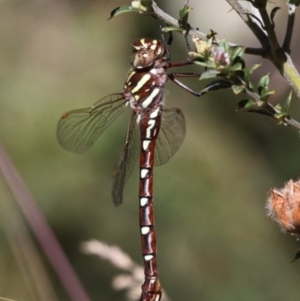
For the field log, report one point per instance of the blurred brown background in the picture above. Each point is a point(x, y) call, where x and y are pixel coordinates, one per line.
point(214, 239)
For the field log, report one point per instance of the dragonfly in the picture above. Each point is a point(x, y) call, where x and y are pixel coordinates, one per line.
point(160, 131)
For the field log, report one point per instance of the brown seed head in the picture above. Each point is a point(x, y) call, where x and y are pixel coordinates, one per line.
point(283, 206)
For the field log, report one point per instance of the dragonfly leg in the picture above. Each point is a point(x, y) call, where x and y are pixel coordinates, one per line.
point(172, 77)
point(215, 85)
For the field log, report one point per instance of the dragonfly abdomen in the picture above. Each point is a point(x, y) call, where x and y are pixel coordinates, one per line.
point(149, 130)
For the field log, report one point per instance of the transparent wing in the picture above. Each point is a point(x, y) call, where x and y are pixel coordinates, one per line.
point(171, 135)
point(77, 130)
point(126, 162)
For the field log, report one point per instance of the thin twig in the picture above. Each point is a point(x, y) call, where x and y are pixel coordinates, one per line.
point(277, 55)
point(292, 122)
point(169, 20)
point(24, 250)
point(252, 24)
point(269, 27)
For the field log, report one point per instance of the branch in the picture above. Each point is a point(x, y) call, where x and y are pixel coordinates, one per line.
point(264, 107)
point(253, 25)
point(269, 27)
point(169, 20)
point(260, 24)
point(158, 13)
point(289, 28)
point(277, 55)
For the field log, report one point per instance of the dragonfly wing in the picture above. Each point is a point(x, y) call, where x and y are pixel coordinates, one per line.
point(77, 130)
point(171, 135)
point(126, 162)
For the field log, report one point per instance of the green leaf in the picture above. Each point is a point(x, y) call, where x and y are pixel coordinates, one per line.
point(250, 86)
point(209, 74)
point(194, 56)
point(265, 93)
point(263, 83)
point(184, 14)
point(281, 115)
point(122, 9)
point(204, 64)
point(237, 52)
point(246, 104)
point(237, 89)
point(278, 107)
point(286, 106)
point(239, 60)
point(236, 67)
point(146, 3)
point(183, 17)
point(224, 44)
point(249, 71)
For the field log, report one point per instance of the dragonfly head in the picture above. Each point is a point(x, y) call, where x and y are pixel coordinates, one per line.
point(145, 52)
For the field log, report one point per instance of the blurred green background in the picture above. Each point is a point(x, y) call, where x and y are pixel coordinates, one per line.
point(214, 239)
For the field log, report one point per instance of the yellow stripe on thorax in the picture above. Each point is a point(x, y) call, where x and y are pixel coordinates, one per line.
point(141, 83)
point(149, 99)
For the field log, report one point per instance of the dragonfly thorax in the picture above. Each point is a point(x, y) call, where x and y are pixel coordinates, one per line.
point(144, 89)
